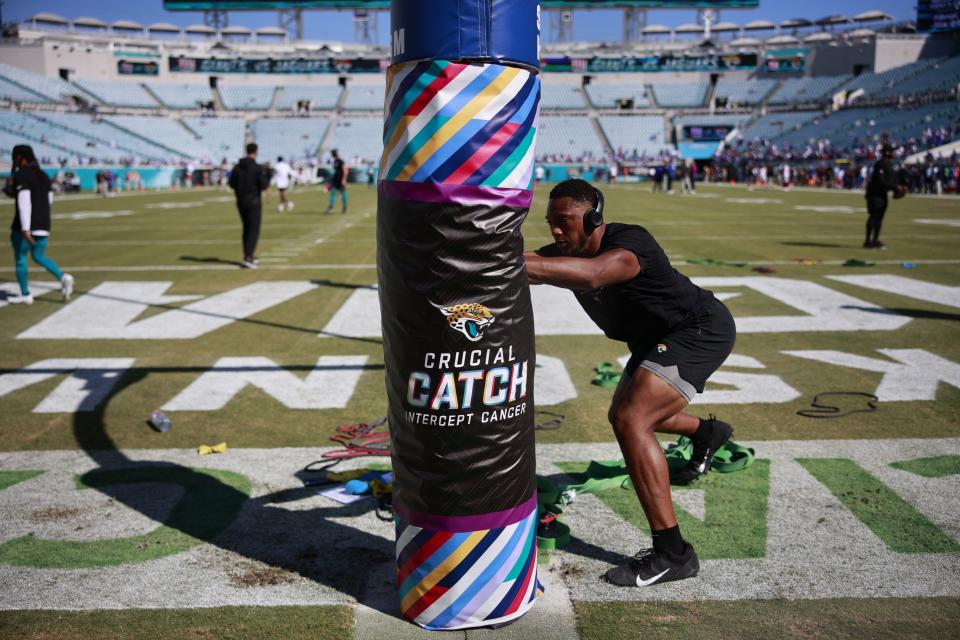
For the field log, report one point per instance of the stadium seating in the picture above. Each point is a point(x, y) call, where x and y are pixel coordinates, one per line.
point(735, 119)
point(887, 83)
point(165, 132)
point(680, 95)
point(606, 96)
point(321, 97)
point(564, 137)
point(364, 97)
point(744, 92)
point(773, 125)
point(51, 88)
point(118, 94)
point(247, 97)
point(292, 138)
point(181, 96)
point(16, 93)
point(806, 90)
point(561, 97)
point(103, 133)
point(643, 134)
point(357, 138)
point(20, 128)
point(939, 76)
point(222, 137)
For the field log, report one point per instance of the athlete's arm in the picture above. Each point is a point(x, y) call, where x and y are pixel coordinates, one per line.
point(605, 270)
point(25, 206)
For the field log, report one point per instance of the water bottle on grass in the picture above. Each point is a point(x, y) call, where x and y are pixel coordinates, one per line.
point(159, 421)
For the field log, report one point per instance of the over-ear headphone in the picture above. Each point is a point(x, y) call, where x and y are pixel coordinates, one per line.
point(593, 217)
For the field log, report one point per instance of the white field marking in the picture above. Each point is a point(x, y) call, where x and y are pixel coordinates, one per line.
point(556, 312)
point(950, 222)
point(110, 309)
point(267, 260)
point(37, 288)
point(816, 548)
point(748, 388)
point(915, 375)
point(220, 199)
point(173, 205)
point(754, 200)
point(909, 287)
point(91, 215)
point(802, 516)
point(89, 382)
point(837, 208)
point(693, 501)
point(553, 383)
point(328, 386)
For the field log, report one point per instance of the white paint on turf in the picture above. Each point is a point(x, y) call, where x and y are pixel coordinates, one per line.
point(329, 385)
point(909, 287)
point(949, 222)
point(37, 288)
point(110, 309)
point(89, 382)
point(915, 375)
point(92, 215)
point(825, 208)
point(808, 555)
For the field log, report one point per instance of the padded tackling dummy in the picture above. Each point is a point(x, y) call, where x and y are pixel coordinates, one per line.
point(455, 185)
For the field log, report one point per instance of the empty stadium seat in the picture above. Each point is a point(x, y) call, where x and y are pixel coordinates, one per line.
point(608, 96)
point(570, 137)
point(641, 134)
point(118, 94)
point(357, 138)
point(247, 97)
point(743, 92)
point(181, 96)
point(680, 94)
point(806, 90)
point(51, 88)
point(292, 138)
point(364, 97)
point(222, 137)
point(320, 97)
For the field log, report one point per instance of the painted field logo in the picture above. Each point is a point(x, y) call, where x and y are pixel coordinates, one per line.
point(469, 319)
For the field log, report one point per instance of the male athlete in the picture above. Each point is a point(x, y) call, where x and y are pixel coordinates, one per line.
point(882, 179)
point(283, 174)
point(338, 182)
point(678, 335)
point(248, 180)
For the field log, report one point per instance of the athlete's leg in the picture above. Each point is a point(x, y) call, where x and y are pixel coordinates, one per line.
point(682, 424)
point(252, 237)
point(39, 254)
point(333, 198)
point(343, 198)
point(20, 251)
point(640, 405)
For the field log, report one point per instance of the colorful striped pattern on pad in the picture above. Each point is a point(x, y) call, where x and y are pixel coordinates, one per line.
point(454, 123)
point(456, 580)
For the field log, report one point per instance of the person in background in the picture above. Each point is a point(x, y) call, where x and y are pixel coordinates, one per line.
point(882, 179)
point(30, 231)
point(338, 182)
point(248, 180)
point(283, 174)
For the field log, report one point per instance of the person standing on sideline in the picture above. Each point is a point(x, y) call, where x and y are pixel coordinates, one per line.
point(30, 231)
point(882, 179)
point(248, 180)
point(338, 182)
point(283, 173)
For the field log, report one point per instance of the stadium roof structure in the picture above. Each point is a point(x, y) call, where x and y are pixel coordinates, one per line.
point(820, 36)
point(126, 25)
point(796, 23)
point(201, 29)
point(163, 27)
point(746, 41)
point(759, 25)
point(872, 16)
point(236, 31)
point(831, 20)
point(654, 29)
point(271, 31)
point(862, 32)
point(86, 21)
point(724, 27)
point(49, 18)
point(689, 28)
point(783, 38)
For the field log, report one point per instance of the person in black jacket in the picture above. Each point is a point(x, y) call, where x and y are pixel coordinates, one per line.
point(248, 179)
point(30, 231)
point(882, 179)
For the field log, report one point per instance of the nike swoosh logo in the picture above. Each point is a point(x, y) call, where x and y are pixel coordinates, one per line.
point(645, 583)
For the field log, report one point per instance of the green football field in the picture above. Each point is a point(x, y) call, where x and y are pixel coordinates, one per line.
point(844, 526)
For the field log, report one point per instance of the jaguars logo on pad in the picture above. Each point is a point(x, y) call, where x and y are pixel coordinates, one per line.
point(469, 319)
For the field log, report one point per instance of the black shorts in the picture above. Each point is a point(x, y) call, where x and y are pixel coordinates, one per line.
point(688, 355)
point(876, 206)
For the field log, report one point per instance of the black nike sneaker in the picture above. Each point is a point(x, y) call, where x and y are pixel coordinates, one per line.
point(703, 450)
point(650, 567)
